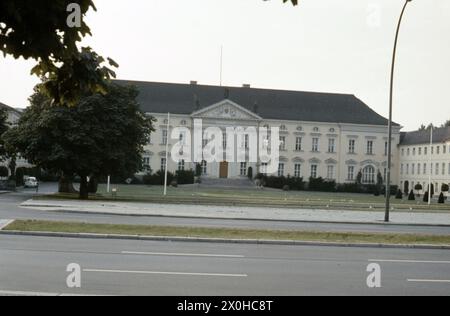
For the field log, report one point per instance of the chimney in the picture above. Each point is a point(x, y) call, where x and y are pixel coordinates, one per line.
point(246, 85)
point(193, 82)
point(227, 93)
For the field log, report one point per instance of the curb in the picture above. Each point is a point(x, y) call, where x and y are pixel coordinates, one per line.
point(61, 210)
point(222, 241)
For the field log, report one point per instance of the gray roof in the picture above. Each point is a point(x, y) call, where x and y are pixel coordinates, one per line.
point(158, 97)
point(440, 135)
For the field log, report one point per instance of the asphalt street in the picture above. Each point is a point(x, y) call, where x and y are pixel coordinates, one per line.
point(10, 209)
point(37, 265)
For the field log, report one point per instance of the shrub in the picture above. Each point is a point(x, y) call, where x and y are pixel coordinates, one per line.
point(20, 173)
point(412, 196)
point(158, 178)
point(445, 187)
point(185, 177)
point(174, 184)
point(425, 197)
point(321, 185)
point(4, 172)
point(198, 170)
point(399, 195)
point(441, 198)
point(418, 187)
point(286, 188)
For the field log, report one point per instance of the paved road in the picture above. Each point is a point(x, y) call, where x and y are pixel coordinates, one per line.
point(10, 209)
point(164, 268)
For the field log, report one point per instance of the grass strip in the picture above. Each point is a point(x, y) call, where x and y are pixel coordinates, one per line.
point(202, 232)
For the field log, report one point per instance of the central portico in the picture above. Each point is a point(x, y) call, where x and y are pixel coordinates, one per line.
point(228, 114)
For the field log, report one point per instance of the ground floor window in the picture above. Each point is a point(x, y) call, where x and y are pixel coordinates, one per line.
point(330, 172)
point(369, 175)
point(298, 170)
point(204, 166)
point(281, 170)
point(243, 169)
point(264, 168)
point(181, 165)
point(314, 171)
point(351, 173)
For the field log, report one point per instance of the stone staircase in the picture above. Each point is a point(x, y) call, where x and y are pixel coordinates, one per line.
point(227, 183)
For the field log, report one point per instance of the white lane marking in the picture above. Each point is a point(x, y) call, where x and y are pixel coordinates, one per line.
point(180, 254)
point(167, 273)
point(25, 293)
point(409, 261)
point(428, 281)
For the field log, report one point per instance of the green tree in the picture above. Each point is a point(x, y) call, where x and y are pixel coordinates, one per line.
point(41, 31)
point(3, 128)
point(103, 135)
point(446, 124)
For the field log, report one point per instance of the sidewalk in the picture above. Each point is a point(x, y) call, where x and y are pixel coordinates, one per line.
point(229, 212)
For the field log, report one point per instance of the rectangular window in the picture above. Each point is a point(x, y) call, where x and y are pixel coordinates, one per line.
point(314, 171)
point(419, 169)
point(438, 150)
point(224, 141)
point(414, 151)
point(370, 147)
point(264, 166)
point(243, 169)
point(443, 169)
point(331, 145)
point(181, 165)
point(281, 170)
point(444, 148)
point(298, 144)
point(204, 167)
point(164, 137)
point(402, 169)
point(351, 173)
point(437, 169)
point(298, 170)
point(408, 152)
point(282, 143)
point(315, 144)
point(351, 146)
point(425, 169)
point(330, 172)
point(413, 169)
point(407, 168)
point(425, 151)
point(420, 151)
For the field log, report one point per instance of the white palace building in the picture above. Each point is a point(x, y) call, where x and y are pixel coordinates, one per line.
point(333, 136)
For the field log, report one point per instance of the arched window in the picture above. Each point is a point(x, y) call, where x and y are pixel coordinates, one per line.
point(369, 175)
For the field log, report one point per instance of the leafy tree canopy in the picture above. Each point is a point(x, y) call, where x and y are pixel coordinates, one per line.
point(3, 128)
point(102, 135)
point(41, 32)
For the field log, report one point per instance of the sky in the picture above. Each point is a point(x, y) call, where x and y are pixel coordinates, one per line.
point(340, 46)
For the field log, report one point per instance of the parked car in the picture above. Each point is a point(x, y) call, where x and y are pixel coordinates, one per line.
point(31, 182)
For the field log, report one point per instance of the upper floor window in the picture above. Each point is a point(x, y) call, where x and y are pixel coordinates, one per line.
point(315, 144)
point(283, 128)
point(281, 170)
point(298, 144)
point(331, 145)
point(282, 143)
point(420, 151)
point(370, 147)
point(351, 146)
point(314, 171)
point(298, 171)
point(164, 137)
point(316, 130)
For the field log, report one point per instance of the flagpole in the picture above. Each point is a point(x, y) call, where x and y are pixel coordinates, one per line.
point(431, 165)
point(167, 154)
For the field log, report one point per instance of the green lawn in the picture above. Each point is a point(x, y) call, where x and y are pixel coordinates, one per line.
point(202, 195)
point(67, 227)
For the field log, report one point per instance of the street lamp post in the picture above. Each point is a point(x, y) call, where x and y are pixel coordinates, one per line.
point(389, 166)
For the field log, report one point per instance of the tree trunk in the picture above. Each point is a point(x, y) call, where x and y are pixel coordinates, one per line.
point(84, 192)
point(66, 185)
point(93, 185)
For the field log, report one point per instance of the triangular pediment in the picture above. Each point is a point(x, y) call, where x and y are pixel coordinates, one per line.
point(226, 109)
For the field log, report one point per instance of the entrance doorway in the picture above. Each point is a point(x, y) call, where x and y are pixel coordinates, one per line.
point(224, 170)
